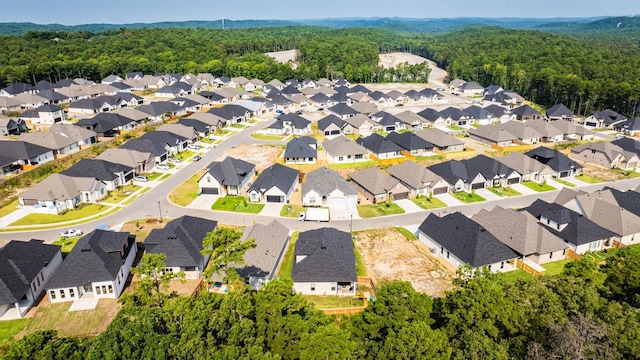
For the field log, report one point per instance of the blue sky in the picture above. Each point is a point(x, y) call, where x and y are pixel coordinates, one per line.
point(73, 12)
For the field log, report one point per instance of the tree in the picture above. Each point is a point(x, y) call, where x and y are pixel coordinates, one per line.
point(226, 249)
point(153, 277)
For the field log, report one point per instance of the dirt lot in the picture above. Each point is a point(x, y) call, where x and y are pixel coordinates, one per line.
point(284, 56)
point(392, 60)
point(389, 255)
point(262, 156)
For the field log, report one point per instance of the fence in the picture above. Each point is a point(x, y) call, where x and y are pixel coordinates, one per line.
point(573, 255)
point(526, 268)
point(391, 161)
point(510, 149)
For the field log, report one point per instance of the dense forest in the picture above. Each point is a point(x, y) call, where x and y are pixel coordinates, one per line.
point(587, 312)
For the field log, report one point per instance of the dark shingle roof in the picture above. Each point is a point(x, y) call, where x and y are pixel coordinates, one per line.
point(19, 150)
point(559, 111)
point(328, 120)
point(20, 263)
point(555, 159)
point(409, 141)
point(466, 239)
point(526, 110)
point(230, 171)
point(99, 169)
point(229, 112)
point(329, 257)
point(180, 240)
point(276, 175)
point(378, 144)
point(342, 109)
point(104, 122)
point(95, 257)
point(301, 148)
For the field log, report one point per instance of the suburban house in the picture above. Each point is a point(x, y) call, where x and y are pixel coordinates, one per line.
point(26, 266)
point(492, 135)
point(364, 108)
point(230, 176)
point(275, 184)
point(43, 115)
point(573, 131)
point(325, 187)
point(603, 208)
point(418, 179)
point(605, 119)
point(561, 164)
point(381, 147)
point(324, 263)
point(456, 117)
point(549, 132)
point(59, 144)
point(362, 125)
point(559, 112)
point(526, 113)
point(521, 232)
point(148, 146)
point(211, 122)
point(58, 193)
point(331, 126)
point(388, 122)
point(181, 242)
point(462, 241)
point(472, 88)
point(606, 155)
point(501, 113)
point(232, 113)
point(632, 126)
point(22, 154)
point(478, 172)
point(342, 110)
point(412, 120)
point(141, 162)
point(412, 144)
point(628, 144)
point(301, 150)
point(107, 124)
point(81, 136)
point(529, 168)
point(579, 232)
point(344, 150)
point(433, 118)
point(377, 186)
point(9, 126)
point(524, 133)
point(629, 200)
point(97, 267)
point(442, 140)
point(113, 175)
point(172, 142)
point(290, 124)
point(161, 110)
point(481, 115)
point(84, 108)
point(262, 261)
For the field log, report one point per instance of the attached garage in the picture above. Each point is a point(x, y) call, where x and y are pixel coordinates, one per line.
point(477, 186)
point(440, 190)
point(513, 181)
point(275, 198)
point(211, 191)
point(401, 195)
point(29, 202)
point(565, 173)
point(336, 201)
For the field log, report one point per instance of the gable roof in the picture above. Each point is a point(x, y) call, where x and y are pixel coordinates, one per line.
point(104, 122)
point(378, 144)
point(495, 133)
point(526, 110)
point(602, 207)
point(180, 240)
point(301, 147)
point(230, 111)
point(145, 146)
point(276, 175)
point(230, 171)
point(21, 262)
point(328, 257)
point(96, 168)
point(48, 139)
point(439, 138)
point(466, 239)
point(342, 146)
point(523, 164)
point(95, 257)
point(127, 157)
point(497, 110)
point(414, 174)
point(374, 180)
point(555, 159)
point(270, 240)
point(609, 116)
point(610, 150)
point(359, 120)
point(19, 150)
point(559, 111)
point(326, 121)
point(409, 141)
point(76, 133)
point(342, 109)
point(59, 186)
point(324, 181)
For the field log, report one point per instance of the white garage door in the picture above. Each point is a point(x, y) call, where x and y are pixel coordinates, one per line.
point(336, 201)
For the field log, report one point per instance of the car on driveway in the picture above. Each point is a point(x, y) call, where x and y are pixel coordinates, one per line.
point(71, 233)
point(140, 178)
point(196, 158)
point(163, 167)
point(174, 160)
point(194, 146)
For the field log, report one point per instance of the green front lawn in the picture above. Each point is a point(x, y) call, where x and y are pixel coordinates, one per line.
point(556, 267)
point(588, 179)
point(353, 165)
point(238, 126)
point(626, 173)
point(9, 208)
point(538, 187)
point(292, 211)
point(468, 197)
point(267, 137)
point(184, 156)
point(563, 182)
point(154, 175)
point(408, 234)
point(369, 211)
point(206, 140)
point(284, 271)
point(116, 196)
point(184, 194)
point(83, 212)
point(333, 301)
point(66, 245)
point(237, 204)
point(501, 191)
point(428, 203)
point(9, 330)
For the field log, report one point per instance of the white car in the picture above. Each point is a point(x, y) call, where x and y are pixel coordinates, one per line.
point(141, 178)
point(194, 146)
point(163, 167)
point(71, 233)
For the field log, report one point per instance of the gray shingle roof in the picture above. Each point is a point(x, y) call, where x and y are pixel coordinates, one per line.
point(325, 181)
point(20, 263)
point(180, 240)
point(270, 240)
point(414, 175)
point(410, 141)
point(95, 257)
point(466, 239)
point(276, 175)
point(230, 171)
point(439, 138)
point(342, 146)
point(96, 168)
point(374, 180)
point(300, 148)
point(378, 144)
point(329, 257)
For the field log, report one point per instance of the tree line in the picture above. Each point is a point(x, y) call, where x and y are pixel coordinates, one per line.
point(589, 311)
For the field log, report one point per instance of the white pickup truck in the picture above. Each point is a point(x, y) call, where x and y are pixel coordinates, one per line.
point(315, 214)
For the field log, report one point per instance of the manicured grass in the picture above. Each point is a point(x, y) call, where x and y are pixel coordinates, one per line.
point(563, 182)
point(630, 174)
point(292, 211)
point(184, 156)
point(83, 212)
point(187, 192)
point(468, 197)
point(9, 330)
point(501, 191)
point(361, 270)
point(66, 245)
point(382, 133)
point(428, 203)
point(408, 234)
point(538, 187)
point(267, 137)
point(237, 204)
point(354, 165)
point(429, 158)
point(454, 127)
point(207, 140)
point(134, 198)
point(556, 267)
point(9, 208)
point(369, 211)
point(120, 194)
point(588, 179)
point(352, 136)
point(238, 126)
point(142, 227)
point(284, 271)
point(514, 275)
point(333, 301)
point(154, 175)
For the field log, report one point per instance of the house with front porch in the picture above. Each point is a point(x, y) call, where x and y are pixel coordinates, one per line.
point(27, 267)
point(275, 184)
point(326, 187)
point(332, 126)
point(561, 164)
point(230, 176)
point(324, 263)
point(113, 175)
point(58, 193)
point(97, 267)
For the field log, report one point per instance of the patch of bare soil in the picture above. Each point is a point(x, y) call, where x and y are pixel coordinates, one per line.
point(262, 156)
point(388, 255)
point(394, 59)
point(285, 56)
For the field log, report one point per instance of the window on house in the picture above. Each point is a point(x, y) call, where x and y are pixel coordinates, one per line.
point(340, 158)
point(104, 289)
point(110, 289)
point(359, 156)
point(448, 254)
point(441, 250)
point(208, 178)
point(489, 267)
point(502, 265)
point(98, 290)
point(593, 151)
point(52, 294)
point(33, 286)
point(41, 277)
point(62, 294)
point(333, 286)
point(312, 287)
point(564, 252)
point(312, 200)
point(551, 255)
point(72, 293)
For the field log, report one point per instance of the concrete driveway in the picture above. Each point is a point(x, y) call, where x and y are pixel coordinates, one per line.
point(522, 189)
point(408, 206)
point(448, 199)
point(488, 195)
point(272, 209)
point(343, 212)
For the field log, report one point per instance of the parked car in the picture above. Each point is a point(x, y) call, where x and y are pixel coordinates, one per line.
point(174, 160)
point(400, 104)
point(71, 233)
point(163, 167)
point(279, 111)
point(140, 178)
point(196, 158)
point(320, 109)
point(194, 146)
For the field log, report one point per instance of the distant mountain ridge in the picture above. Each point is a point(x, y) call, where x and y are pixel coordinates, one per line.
point(429, 25)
